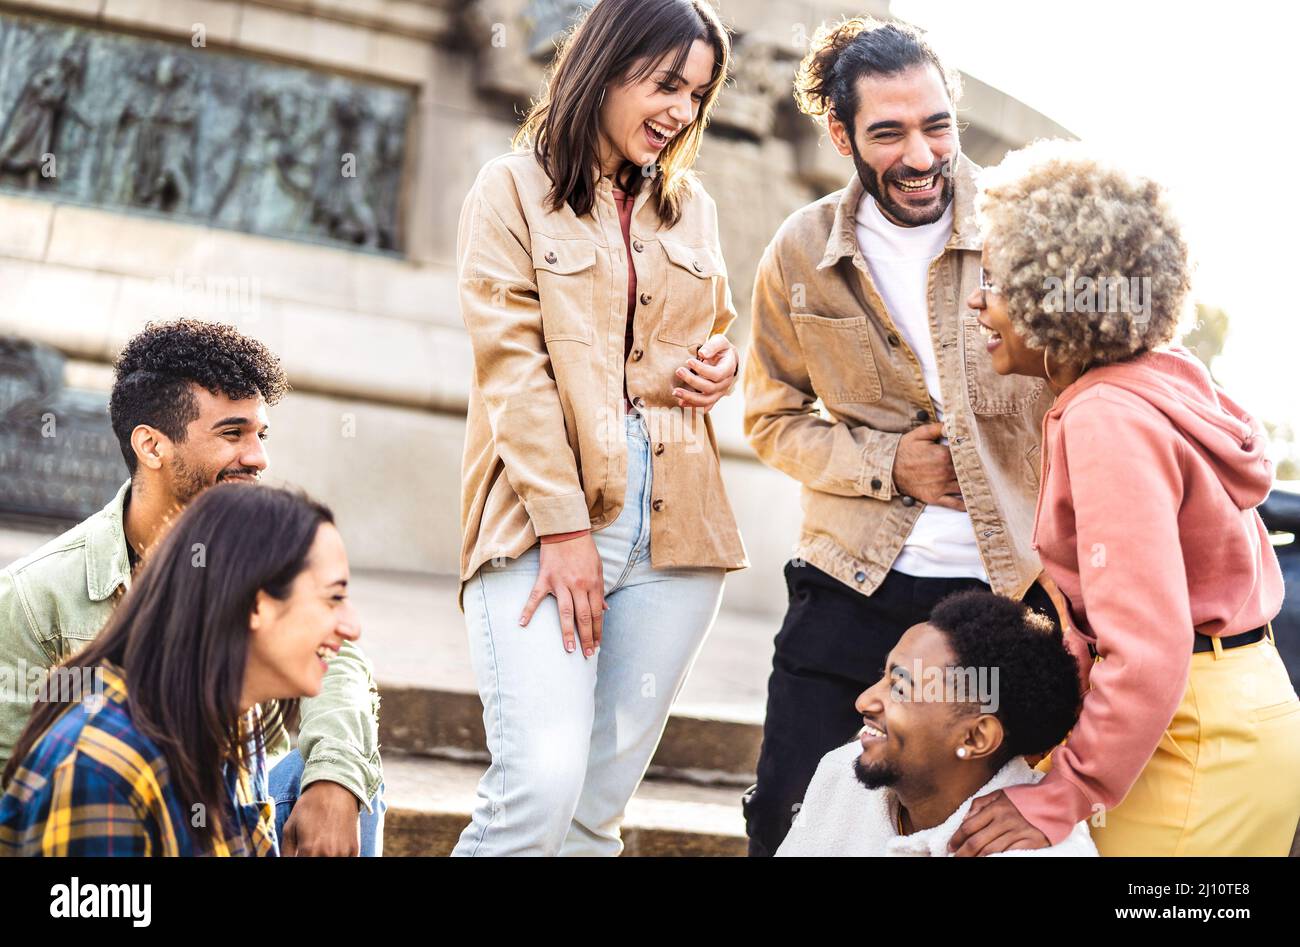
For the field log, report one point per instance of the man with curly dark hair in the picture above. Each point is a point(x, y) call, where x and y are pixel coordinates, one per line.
point(174, 373)
point(965, 698)
point(868, 383)
point(189, 408)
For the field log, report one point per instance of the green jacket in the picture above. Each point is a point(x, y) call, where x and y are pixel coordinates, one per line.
point(57, 599)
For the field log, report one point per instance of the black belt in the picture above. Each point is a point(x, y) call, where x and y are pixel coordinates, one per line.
point(1206, 643)
point(1202, 643)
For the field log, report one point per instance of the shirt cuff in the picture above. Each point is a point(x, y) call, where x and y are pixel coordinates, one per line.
point(564, 537)
point(877, 477)
point(562, 514)
point(360, 779)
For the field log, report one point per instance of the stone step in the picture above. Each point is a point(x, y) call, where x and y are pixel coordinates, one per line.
point(430, 800)
point(449, 724)
point(415, 638)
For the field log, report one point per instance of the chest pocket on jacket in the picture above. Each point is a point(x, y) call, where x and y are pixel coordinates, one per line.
point(839, 358)
point(689, 303)
point(989, 392)
point(76, 636)
point(566, 281)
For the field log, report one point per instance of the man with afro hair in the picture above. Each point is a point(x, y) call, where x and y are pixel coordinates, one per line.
point(964, 699)
point(189, 408)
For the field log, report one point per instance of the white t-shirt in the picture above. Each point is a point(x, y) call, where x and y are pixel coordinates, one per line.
point(942, 542)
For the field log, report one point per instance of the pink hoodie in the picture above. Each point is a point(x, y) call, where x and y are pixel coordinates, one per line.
point(1146, 521)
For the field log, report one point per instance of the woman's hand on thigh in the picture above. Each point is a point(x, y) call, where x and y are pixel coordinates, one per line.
point(571, 571)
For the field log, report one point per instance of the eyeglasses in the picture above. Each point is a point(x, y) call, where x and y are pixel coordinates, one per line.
point(990, 288)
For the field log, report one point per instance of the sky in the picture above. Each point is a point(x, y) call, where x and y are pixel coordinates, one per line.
point(1199, 96)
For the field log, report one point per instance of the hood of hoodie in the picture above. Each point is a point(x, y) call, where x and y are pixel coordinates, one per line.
point(1177, 384)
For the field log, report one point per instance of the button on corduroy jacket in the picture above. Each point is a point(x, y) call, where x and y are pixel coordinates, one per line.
point(821, 331)
point(544, 296)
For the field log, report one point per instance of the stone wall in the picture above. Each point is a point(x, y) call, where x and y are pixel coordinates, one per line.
point(373, 342)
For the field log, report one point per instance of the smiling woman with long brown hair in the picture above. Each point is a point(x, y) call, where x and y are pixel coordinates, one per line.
point(227, 625)
point(596, 526)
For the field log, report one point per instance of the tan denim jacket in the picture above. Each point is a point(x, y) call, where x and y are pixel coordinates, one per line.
point(821, 330)
point(544, 297)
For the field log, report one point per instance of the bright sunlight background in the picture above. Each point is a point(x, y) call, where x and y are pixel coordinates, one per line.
point(1200, 96)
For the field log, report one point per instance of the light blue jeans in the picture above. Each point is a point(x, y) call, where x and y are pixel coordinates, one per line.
point(571, 737)
point(285, 784)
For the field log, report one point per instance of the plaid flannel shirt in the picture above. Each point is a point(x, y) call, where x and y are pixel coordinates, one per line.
point(94, 785)
point(55, 601)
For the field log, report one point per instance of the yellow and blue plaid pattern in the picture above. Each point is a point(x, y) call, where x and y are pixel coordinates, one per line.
point(94, 785)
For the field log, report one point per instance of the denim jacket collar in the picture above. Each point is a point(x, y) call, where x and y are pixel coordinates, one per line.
point(107, 563)
point(843, 240)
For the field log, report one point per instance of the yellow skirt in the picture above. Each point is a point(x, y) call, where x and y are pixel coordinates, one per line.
point(1225, 778)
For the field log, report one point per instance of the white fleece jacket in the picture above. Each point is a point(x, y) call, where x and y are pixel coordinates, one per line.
point(842, 817)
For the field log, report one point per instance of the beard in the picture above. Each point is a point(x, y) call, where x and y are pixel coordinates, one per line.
point(188, 481)
point(876, 775)
point(901, 213)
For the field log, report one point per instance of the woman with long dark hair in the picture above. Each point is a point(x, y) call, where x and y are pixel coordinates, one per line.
point(596, 526)
point(231, 620)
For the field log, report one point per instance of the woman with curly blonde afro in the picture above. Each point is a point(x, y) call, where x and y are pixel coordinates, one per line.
point(1189, 738)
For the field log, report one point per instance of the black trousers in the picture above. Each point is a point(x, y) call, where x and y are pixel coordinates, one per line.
point(832, 646)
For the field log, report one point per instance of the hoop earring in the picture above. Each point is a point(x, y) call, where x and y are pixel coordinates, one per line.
point(1047, 370)
point(600, 101)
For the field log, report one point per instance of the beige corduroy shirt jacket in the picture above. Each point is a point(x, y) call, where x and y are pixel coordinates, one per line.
point(822, 333)
point(544, 296)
